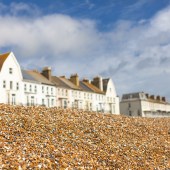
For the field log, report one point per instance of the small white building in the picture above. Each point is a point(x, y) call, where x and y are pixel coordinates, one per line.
point(145, 105)
point(11, 85)
point(32, 88)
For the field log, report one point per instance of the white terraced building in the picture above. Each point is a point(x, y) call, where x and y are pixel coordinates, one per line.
point(32, 88)
point(144, 105)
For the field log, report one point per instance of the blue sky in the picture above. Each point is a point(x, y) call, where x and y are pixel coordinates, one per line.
point(127, 40)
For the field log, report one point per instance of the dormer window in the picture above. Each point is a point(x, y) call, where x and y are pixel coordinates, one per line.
point(10, 70)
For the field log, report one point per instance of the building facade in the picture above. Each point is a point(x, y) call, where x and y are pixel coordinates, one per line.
point(33, 88)
point(145, 105)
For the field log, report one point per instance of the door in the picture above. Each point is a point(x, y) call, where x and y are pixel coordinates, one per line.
point(13, 101)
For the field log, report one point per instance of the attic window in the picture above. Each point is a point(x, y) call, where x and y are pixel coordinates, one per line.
point(10, 70)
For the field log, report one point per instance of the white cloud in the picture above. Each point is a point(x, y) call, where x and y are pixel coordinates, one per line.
point(135, 55)
point(16, 9)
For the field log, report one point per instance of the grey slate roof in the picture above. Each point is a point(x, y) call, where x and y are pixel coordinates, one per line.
point(84, 87)
point(27, 76)
point(35, 76)
point(58, 82)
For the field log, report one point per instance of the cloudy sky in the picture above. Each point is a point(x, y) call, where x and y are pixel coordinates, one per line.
point(127, 40)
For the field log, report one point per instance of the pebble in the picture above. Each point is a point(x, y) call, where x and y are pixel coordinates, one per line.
point(55, 138)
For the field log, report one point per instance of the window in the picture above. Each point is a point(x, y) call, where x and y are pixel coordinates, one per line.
point(25, 87)
point(35, 89)
point(4, 84)
point(65, 104)
point(52, 102)
point(32, 100)
point(130, 113)
point(11, 85)
point(17, 87)
point(13, 99)
point(27, 101)
point(43, 103)
point(42, 89)
point(10, 70)
point(58, 91)
point(129, 105)
point(138, 112)
point(30, 87)
point(51, 91)
point(48, 101)
point(47, 90)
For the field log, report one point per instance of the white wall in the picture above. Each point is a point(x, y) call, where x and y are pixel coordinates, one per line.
point(131, 108)
point(39, 94)
point(144, 108)
point(112, 101)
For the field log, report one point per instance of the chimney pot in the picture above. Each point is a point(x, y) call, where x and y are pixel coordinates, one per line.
point(86, 80)
point(74, 78)
point(158, 98)
point(152, 97)
point(98, 82)
point(46, 72)
point(163, 99)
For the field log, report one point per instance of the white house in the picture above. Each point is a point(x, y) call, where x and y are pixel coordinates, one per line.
point(11, 85)
point(32, 88)
point(21, 87)
point(111, 97)
point(96, 95)
point(38, 90)
point(145, 105)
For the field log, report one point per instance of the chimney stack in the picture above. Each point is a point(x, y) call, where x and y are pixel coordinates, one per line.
point(75, 79)
point(158, 98)
point(152, 97)
point(47, 72)
point(98, 82)
point(86, 80)
point(147, 95)
point(163, 99)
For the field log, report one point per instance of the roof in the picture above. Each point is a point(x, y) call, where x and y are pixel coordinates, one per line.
point(143, 96)
point(27, 76)
point(32, 75)
point(3, 57)
point(105, 82)
point(69, 83)
point(84, 87)
point(90, 87)
point(58, 82)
